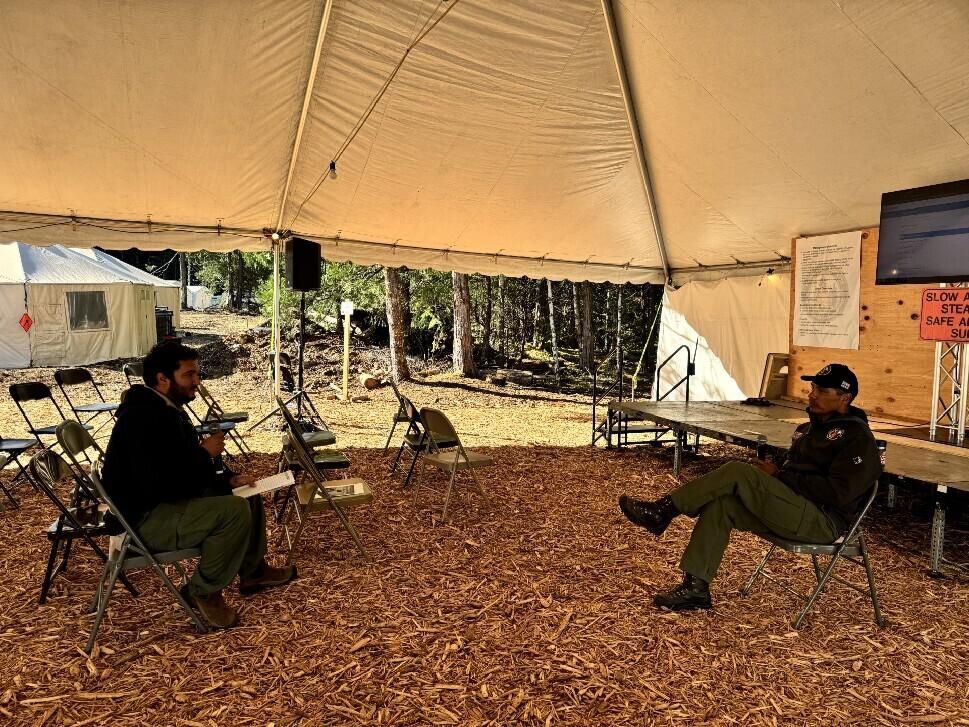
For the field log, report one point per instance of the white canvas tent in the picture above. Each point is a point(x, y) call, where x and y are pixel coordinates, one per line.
point(618, 140)
point(80, 311)
point(168, 293)
point(199, 297)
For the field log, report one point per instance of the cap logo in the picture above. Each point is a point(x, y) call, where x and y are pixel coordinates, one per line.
point(835, 434)
point(825, 371)
point(845, 385)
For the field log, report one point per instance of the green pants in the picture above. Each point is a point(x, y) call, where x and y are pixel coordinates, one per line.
point(742, 497)
point(230, 530)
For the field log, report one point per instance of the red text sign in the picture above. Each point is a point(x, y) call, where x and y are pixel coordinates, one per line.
point(26, 322)
point(945, 315)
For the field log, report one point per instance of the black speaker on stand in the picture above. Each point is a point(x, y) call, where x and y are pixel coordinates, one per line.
point(304, 265)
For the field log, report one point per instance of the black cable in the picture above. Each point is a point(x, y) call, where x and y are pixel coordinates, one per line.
point(36, 227)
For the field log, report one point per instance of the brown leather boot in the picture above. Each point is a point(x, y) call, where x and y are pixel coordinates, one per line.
point(213, 608)
point(265, 576)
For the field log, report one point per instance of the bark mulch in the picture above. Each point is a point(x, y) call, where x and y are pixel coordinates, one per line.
point(536, 612)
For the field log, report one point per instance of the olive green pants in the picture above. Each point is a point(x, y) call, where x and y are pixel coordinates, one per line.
point(742, 497)
point(230, 530)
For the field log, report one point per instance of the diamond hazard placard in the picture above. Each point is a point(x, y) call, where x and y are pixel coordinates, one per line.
point(26, 322)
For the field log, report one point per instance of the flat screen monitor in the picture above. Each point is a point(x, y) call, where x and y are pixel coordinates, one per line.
point(924, 235)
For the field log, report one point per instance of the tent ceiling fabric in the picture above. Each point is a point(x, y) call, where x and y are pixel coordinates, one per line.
point(501, 145)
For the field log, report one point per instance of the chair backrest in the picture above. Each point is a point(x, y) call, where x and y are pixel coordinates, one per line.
point(213, 410)
point(134, 370)
point(78, 445)
point(773, 383)
point(438, 427)
point(49, 468)
point(400, 397)
point(30, 391)
point(72, 376)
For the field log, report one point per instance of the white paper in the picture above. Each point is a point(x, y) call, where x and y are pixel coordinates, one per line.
point(827, 290)
point(266, 484)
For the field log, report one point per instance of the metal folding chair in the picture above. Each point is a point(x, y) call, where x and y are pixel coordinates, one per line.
point(134, 370)
point(851, 547)
point(450, 458)
point(67, 378)
point(10, 451)
point(416, 440)
point(319, 495)
point(129, 552)
point(35, 391)
point(400, 417)
point(214, 416)
point(81, 517)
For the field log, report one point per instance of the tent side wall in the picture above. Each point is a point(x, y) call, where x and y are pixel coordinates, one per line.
point(130, 327)
point(894, 367)
point(737, 321)
point(170, 297)
point(14, 341)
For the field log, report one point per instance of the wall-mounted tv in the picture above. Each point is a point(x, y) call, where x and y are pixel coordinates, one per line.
point(924, 235)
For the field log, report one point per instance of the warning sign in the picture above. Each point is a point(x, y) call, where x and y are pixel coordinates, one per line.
point(945, 315)
point(26, 322)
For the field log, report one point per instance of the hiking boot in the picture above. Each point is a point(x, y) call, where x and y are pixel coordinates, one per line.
point(212, 607)
point(265, 576)
point(691, 594)
point(654, 516)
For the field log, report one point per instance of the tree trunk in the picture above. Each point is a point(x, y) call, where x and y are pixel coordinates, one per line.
point(229, 295)
point(502, 320)
point(183, 277)
point(463, 359)
point(576, 320)
point(240, 267)
point(538, 330)
point(606, 327)
point(586, 345)
point(404, 279)
point(395, 324)
point(488, 312)
point(618, 320)
point(551, 328)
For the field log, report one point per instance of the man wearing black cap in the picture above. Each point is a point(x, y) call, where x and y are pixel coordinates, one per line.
point(812, 497)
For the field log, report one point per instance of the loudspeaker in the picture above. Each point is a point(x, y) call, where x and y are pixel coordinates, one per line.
point(302, 264)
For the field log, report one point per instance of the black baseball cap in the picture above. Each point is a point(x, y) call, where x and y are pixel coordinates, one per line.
point(835, 376)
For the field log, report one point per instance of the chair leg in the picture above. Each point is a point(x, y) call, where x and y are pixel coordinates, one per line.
point(390, 436)
point(49, 573)
point(879, 619)
point(400, 451)
point(760, 569)
point(818, 590)
point(16, 505)
point(481, 489)
point(160, 570)
point(410, 472)
point(447, 495)
point(103, 598)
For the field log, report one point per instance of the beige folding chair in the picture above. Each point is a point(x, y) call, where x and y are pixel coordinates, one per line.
point(452, 459)
point(320, 493)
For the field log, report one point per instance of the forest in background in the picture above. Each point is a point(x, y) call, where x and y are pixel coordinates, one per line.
point(480, 322)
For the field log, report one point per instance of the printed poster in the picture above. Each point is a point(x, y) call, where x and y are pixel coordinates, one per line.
point(827, 290)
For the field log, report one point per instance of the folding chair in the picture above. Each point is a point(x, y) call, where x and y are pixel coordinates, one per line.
point(134, 370)
point(128, 552)
point(81, 517)
point(850, 546)
point(214, 415)
point(10, 451)
point(66, 378)
point(452, 459)
point(400, 417)
point(320, 494)
point(416, 439)
point(37, 391)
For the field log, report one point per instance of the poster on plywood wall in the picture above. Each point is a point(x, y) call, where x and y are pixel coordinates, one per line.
point(827, 288)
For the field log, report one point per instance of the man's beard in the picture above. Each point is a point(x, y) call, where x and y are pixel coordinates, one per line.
point(180, 395)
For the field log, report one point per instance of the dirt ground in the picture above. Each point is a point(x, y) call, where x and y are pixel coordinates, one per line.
point(535, 610)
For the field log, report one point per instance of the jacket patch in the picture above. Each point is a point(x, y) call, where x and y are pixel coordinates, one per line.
point(857, 460)
point(835, 434)
point(797, 435)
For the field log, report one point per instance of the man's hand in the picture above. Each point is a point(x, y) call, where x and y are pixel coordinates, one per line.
point(767, 467)
point(242, 480)
point(214, 444)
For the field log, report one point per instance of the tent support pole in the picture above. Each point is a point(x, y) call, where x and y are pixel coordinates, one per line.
point(635, 131)
point(276, 321)
point(307, 98)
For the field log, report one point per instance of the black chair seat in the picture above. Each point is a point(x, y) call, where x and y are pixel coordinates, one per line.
point(330, 460)
point(91, 520)
point(53, 429)
point(16, 445)
point(236, 417)
point(220, 425)
point(413, 440)
point(100, 406)
point(321, 438)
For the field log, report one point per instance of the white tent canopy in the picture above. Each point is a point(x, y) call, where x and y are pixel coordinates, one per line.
point(502, 144)
point(77, 310)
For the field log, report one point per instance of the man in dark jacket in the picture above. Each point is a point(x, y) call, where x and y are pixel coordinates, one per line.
point(812, 497)
point(165, 482)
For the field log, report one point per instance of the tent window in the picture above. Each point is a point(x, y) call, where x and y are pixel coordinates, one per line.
point(87, 311)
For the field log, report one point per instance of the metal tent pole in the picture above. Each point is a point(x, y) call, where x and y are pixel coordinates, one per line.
point(276, 321)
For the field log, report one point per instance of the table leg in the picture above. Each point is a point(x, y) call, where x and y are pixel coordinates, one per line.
point(891, 495)
point(678, 453)
point(938, 532)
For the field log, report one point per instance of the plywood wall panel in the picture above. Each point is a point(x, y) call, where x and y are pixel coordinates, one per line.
point(894, 367)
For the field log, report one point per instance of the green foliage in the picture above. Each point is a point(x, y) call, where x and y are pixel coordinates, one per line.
point(213, 269)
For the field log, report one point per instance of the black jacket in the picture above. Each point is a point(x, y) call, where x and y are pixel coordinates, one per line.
point(833, 463)
point(154, 456)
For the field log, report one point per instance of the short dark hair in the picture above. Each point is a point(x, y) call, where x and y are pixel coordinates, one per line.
point(165, 358)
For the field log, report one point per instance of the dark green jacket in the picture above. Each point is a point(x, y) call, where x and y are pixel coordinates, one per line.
point(833, 463)
point(154, 456)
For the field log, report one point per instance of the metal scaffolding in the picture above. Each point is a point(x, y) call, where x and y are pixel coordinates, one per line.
point(950, 384)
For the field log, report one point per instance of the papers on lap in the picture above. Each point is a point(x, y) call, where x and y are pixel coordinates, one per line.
point(266, 484)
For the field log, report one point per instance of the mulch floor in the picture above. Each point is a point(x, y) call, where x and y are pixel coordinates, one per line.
point(536, 611)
